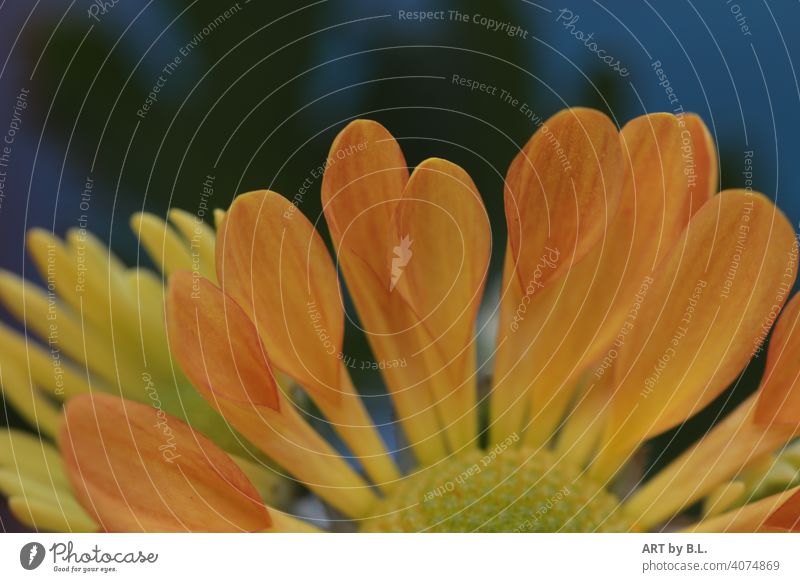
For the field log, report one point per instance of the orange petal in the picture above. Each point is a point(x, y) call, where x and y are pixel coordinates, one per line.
point(360, 191)
point(779, 396)
point(134, 468)
point(555, 333)
point(235, 364)
point(701, 320)
point(787, 516)
point(441, 273)
point(271, 260)
point(562, 190)
point(220, 351)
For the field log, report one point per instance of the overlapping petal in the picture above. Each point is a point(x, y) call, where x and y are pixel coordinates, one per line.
point(274, 264)
point(219, 349)
point(134, 468)
point(702, 320)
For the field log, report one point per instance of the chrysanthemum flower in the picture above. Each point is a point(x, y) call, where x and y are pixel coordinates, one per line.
point(633, 295)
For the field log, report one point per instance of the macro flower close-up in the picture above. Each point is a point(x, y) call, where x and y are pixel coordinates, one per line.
point(480, 289)
point(629, 301)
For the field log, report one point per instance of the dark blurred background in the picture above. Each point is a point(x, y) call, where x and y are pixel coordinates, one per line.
point(261, 90)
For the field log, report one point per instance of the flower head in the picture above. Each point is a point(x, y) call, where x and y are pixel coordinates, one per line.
point(632, 296)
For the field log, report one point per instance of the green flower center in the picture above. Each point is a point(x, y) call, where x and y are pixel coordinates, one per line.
point(501, 490)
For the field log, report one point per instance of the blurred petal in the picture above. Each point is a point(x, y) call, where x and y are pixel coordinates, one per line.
point(51, 515)
point(29, 455)
point(753, 517)
point(787, 516)
point(732, 445)
point(167, 249)
point(202, 240)
point(137, 469)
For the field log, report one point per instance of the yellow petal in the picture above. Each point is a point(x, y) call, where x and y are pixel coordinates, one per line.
point(55, 322)
point(701, 319)
point(276, 266)
point(562, 191)
point(724, 498)
point(46, 515)
point(220, 351)
point(168, 250)
point(753, 517)
point(732, 445)
point(441, 270)
point(134, 468)
point(201, 239)
point(779, 395)
point(31, 456)
point(49, 369)
point(28, 400)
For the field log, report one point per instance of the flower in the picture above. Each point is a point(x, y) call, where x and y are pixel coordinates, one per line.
point(96, 327)
point(632, 296)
